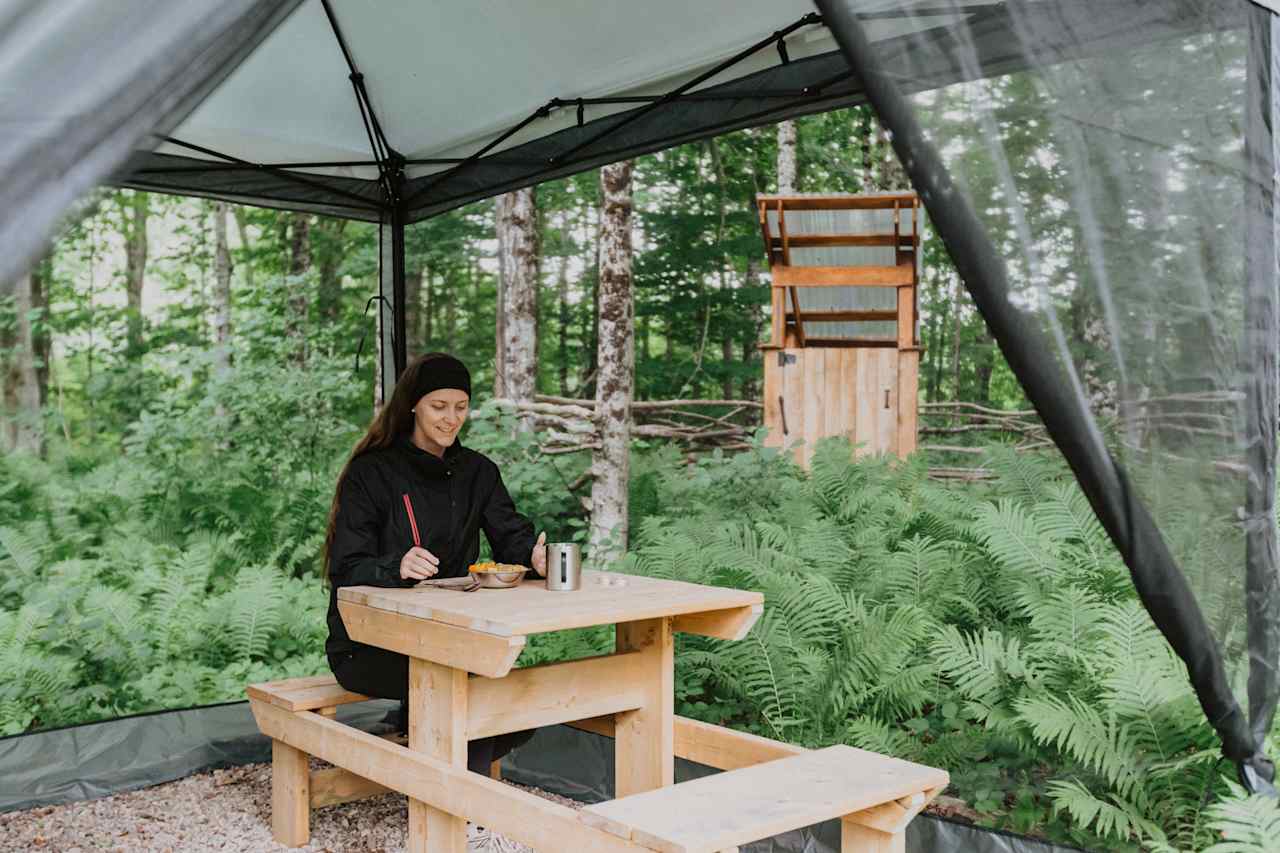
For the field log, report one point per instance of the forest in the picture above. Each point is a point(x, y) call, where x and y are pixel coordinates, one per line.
point(183, 379)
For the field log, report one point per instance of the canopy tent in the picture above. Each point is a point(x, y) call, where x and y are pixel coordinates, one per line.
point(443, 104)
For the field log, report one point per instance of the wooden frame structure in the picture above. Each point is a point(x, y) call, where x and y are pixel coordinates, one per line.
point(628, 695)
point(862, 387)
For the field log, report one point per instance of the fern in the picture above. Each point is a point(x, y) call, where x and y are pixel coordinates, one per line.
point(1103, 745)
point(877, 736)
point(1246, 824)
point(984, 666)
point(253, 612)
point(23, 549)
point(1110, 819)
point(1013, 537)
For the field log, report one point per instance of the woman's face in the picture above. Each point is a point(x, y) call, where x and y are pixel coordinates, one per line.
point(439, 416)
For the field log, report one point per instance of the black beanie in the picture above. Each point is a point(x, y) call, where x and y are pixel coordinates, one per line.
point(441, 372)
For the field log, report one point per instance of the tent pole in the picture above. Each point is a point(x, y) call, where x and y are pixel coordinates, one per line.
point(1262, 583)
point(386, 299)
point(398, 218)
point(1161, 585)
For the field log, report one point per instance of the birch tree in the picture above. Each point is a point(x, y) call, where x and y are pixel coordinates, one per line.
point(786, 157)
point(136, 212)
point(516, 373)
point(615, 380)
point(221, 287)
point(25, 357)
point(295, 321)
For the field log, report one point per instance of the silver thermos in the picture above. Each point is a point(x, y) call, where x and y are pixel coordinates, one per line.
point(564, 565)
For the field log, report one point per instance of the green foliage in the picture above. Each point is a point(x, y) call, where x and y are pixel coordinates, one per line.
point(1245, 824)
point(165, 551)
point(994, 634)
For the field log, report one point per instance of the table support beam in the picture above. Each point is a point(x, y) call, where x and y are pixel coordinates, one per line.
point(644, 738)
point(548, 694)
point(733, 623)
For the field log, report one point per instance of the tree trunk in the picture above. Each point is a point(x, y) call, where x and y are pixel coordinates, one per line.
point(562, 306)
point(591, 328)
point(986, 355)
point(137, 213)
point(786, 160)
point(615, 380)
point(1089, 333)
point(330, 251)
point(886, 161)
point(221, 288)
point(26, 371)
point(429, 334)
point(750, 385)
point(867, 142)
point(413, 312)
point(295, 322)
point(500, 216)
point(242, 229)
point(955, 340)
point(518, 308)
point(451, 291)
point(300, 244)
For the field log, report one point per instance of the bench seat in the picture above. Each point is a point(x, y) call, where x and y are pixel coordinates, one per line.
point(719, 812)
point(304, 694)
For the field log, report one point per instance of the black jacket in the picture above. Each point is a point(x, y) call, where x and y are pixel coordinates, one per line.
point(453, 500)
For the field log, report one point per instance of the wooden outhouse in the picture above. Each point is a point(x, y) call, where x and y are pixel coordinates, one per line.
point(844, 353)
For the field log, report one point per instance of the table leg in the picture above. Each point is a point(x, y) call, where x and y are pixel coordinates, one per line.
point(290, 795)
point(856, 838)
point(644, 739)
point(437, 727)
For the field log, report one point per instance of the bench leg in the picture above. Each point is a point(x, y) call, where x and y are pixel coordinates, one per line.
point(290, 795)
point(437, 727)
point(644, 739)
point(856, 838)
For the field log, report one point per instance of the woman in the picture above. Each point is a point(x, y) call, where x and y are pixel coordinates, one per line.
point(410, 462)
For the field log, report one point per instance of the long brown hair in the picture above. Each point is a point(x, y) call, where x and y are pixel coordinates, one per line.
point(393, 420)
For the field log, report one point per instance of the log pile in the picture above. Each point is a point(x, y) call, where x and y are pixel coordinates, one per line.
point(568, 425)
point(968, 428)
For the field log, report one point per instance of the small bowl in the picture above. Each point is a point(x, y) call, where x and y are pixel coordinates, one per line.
point(499, 580)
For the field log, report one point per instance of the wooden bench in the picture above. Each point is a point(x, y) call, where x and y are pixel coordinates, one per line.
point(769, 786)
point(877, 796)
point(296, 789)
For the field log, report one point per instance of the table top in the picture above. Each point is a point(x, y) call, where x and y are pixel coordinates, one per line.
point(533, 609)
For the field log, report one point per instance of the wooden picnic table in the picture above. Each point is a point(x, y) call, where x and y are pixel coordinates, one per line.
point(462, 645)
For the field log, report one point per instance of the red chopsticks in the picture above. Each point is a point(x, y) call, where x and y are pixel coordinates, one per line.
point(408, 506)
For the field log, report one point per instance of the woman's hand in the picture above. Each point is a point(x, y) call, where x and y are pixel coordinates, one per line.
point(418, 564)
point(538, 559)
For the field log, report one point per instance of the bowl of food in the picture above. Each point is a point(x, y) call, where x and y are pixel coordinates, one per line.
point(497, 575)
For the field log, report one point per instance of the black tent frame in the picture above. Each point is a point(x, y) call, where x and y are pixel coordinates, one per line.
point(853, 75)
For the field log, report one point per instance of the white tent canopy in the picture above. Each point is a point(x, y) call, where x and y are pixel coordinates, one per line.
point(482, 98)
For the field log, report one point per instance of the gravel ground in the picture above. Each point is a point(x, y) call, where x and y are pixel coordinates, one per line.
point(219, 810)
